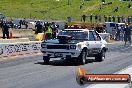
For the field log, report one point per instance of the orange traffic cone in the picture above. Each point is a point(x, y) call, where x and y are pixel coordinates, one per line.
point(10, 35)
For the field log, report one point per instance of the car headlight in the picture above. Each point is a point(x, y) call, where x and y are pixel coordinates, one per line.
point(43, 45)
point(72, 46)
point(79, 45)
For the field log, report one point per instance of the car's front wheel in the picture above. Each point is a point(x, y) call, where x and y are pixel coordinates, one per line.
point(46, 59)
point(100, 56)
point(82, 58)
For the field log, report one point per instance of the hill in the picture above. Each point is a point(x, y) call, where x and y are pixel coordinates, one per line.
point(61, 9)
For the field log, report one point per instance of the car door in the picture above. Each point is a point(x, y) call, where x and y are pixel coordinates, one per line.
point(93, 44)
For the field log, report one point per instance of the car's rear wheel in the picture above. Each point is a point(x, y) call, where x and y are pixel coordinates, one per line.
point(46, 59)
point(100, 56)
point(82, 58)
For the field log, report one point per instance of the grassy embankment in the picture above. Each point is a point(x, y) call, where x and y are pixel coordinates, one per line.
point(52, 9)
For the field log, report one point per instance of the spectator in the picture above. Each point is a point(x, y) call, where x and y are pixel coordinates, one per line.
point(100, 18)
point(44, 26)
point(113, 17)
point(5, 30)
point(121, 33)
point(57, 29)
point(129, 5)
point(1, 23)
point(123, 19)
point(127, 35)
point(26, 24)
point(114, 33)
point(39, 27)
point(118, 33)
point(11, 24)
point(96, 18)
point(118, 19)
point(91, 17)
point(49, 31)
point(54, 29)
point(129, 19)
point(66, 26)
point(100, 7)
point(57, 26)
point(105, 17)
point(116, 9)
point(80, 6)
point(84, 18)
point(98, 29)
point(109, 18)
point(20, 23)
point(24, 21)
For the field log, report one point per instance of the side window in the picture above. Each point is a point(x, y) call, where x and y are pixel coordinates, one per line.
point(85, 35)
point(91, 36)
point(96, 35)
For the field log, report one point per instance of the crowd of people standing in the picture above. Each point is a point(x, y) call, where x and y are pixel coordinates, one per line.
point(109, 18)
point(49, 28)
point(5, 25)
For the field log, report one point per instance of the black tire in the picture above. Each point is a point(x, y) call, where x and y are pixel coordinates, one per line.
point(46, 59)
point(82, 58)
point(100, 56)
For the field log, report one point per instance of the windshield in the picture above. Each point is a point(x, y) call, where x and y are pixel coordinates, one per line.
point(81, 35)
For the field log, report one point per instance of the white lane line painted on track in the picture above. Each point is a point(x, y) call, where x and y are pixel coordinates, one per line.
point(124, 71)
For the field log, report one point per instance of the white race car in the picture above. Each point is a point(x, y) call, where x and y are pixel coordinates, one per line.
point(75, 44)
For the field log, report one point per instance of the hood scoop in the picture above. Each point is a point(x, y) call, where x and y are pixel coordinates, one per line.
point(64, 39)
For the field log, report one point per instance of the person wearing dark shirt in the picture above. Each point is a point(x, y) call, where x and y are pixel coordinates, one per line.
point(39, 27)
point(54, 29)
point(5, 29)
point(84, 18)
point(66, 26)
point(100, 18)
point(98, 29)
point(20, 23)
point(105, 17)
point(1, 23)
point(11, 24)
point(109, 18)
point(91, 18)
point(96, 18)
point(113, 17)
point(127, 35)
point(118, 19)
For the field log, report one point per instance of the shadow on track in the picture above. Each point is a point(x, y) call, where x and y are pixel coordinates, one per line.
point(64, 62)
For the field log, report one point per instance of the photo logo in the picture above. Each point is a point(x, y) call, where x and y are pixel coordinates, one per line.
point(83, 78)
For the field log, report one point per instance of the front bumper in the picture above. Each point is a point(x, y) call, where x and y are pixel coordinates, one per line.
point(61, 53)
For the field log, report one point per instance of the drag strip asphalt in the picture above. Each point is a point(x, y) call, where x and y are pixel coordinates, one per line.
point(30, 72)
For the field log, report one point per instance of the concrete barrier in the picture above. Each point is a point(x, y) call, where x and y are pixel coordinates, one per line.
point(14, 40)
point(8, 50)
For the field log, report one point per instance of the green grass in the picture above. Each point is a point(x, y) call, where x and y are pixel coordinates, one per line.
point(52, 9)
